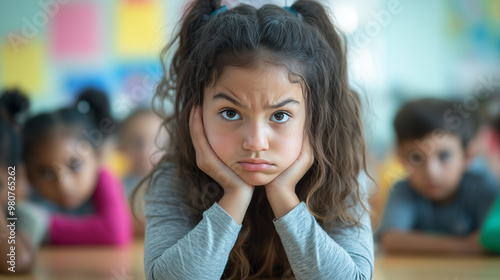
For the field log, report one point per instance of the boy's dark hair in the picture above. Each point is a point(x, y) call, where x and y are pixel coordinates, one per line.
point(421, 117)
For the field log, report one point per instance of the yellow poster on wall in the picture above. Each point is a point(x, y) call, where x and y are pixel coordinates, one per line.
point(139, 28)
point(23, 67)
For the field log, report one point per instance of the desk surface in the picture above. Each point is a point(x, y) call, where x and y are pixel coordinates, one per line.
point(106, 263)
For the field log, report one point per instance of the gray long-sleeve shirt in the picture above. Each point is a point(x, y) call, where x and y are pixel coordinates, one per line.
point(177, 247)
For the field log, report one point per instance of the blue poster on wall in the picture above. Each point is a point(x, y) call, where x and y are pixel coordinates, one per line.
point(75, 83)
point(138, 81)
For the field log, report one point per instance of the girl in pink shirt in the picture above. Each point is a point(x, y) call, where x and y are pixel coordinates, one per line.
point(87, 205)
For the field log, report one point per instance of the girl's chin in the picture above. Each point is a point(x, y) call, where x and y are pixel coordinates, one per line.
point(257, 178)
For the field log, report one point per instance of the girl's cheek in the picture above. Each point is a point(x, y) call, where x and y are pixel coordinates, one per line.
point(286, 142)
point(220, 138)
point(86, 180)
point(222, 142)
point(289, 148)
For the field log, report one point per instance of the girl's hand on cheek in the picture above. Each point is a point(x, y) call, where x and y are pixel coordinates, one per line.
point(209, 162)
point(285, 183)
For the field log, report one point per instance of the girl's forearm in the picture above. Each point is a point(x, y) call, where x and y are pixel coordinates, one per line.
point(282, 201)
point(236, 203)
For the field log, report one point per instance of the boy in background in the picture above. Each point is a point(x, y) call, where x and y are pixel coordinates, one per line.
point(440, 207)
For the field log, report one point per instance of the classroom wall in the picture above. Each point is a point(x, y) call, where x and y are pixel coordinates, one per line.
point(52, 49)
point(402, 50)
point(398, 50)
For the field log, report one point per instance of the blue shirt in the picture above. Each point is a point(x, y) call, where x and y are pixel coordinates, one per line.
point(407, 210)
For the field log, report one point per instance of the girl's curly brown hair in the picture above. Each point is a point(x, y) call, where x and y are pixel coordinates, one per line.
point(307, 44)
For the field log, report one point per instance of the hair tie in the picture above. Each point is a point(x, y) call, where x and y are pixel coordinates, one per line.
point(220, 10)
point(83, 107)
point(290, 10)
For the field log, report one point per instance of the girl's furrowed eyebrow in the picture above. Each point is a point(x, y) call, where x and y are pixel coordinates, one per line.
point(230, 99)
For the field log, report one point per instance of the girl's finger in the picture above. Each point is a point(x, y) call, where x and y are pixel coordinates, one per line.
point(306, 157)
point(309, 151)
point(199, 133)
point(192, 128)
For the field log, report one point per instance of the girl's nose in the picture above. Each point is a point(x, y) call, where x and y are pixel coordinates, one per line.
point(62, 177)
point(256, 139)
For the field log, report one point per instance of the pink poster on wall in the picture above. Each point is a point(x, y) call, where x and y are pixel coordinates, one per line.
point(76, 30)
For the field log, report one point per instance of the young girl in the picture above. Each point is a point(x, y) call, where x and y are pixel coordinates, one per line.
point(87, 204)
point(136, 141)
point(28, 227)
point(261, 175)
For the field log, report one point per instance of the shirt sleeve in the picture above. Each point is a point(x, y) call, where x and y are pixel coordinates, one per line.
point(399, 212)
point(343, 252)
point(491, 229)
point(176, 247)
point(110, 224)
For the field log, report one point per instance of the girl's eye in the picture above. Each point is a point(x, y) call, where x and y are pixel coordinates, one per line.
point(230, 114)
point(75, 165)
point(48, 173)
point(280, 117)
point(416, 158)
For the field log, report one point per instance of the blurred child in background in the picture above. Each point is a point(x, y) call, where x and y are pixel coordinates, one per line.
point(440, 207)
point(86, 203)
point(29, 226)
point(490, 233)
point(136, 140)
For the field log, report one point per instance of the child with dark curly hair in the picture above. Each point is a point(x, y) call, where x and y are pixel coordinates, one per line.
point(264, 172)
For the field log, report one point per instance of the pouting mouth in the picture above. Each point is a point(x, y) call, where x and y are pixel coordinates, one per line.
point(254, 161)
